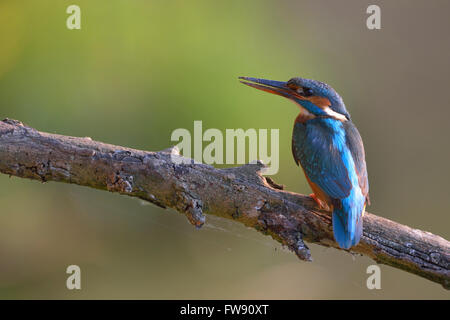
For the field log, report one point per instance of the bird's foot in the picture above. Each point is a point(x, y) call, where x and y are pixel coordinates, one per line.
point(321, 205)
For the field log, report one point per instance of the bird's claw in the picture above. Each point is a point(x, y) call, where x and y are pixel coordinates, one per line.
point(318, 201)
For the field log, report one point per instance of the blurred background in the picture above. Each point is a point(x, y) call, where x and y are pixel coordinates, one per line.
point(137, 70)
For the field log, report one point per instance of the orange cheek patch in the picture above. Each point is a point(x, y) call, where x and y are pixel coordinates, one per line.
point(304, 116)
point(321, 102)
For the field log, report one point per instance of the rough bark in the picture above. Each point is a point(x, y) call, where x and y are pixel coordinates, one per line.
point(194, 189)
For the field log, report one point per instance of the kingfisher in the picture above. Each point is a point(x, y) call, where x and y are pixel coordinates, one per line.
point(329, 148)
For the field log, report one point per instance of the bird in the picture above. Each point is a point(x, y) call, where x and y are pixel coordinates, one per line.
point(329, 148)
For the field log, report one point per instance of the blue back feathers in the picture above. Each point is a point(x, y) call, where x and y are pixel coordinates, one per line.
point(332, 156)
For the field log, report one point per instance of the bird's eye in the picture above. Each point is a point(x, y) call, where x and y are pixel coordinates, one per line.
point(307, 92)
point(291, 84)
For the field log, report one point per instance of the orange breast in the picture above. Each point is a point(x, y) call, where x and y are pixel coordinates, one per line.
point(319, 193)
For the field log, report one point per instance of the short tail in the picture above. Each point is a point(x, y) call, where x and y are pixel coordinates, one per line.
point(347, 226)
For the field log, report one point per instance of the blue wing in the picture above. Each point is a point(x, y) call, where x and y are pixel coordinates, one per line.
point(356, 147)
point(313, 147)
point(332, 156)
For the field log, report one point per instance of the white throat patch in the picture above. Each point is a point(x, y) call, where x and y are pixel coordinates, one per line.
point(334, 114)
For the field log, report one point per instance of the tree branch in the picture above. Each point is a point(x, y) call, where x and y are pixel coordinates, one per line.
point(239, 193)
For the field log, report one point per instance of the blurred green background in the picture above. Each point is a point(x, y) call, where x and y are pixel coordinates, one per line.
point(137, 70)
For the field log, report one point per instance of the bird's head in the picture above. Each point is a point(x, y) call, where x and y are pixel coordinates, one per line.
point(314, 97)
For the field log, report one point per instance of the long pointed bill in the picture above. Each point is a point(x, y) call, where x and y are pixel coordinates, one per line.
point(276, 87)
